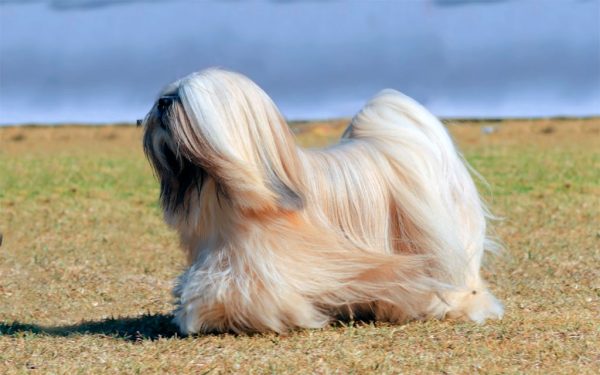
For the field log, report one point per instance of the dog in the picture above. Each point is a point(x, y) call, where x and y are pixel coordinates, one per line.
point(387, 224)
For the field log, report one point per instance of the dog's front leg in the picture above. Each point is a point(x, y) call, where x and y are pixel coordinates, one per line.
point(220, 293)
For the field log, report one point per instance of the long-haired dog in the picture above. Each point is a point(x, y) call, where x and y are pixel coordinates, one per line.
point(387, 223)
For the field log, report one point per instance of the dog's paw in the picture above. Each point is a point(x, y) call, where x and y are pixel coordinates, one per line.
point(476, 305)
point(479, 306)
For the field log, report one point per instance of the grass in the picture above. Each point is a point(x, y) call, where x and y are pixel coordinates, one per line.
point(86, 264)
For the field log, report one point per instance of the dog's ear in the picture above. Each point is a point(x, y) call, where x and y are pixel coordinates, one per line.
point(231, 129)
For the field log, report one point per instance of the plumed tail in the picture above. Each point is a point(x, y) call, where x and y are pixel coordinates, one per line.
point(431, 186)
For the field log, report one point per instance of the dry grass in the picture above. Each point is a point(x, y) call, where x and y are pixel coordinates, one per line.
point(86, 264)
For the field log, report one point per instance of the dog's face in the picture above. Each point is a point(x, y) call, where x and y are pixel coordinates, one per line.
point(176, 172)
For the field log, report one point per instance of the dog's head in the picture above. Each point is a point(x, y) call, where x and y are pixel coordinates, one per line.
point(219, 127)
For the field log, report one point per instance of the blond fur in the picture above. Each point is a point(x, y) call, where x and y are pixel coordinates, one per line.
point(386, 223)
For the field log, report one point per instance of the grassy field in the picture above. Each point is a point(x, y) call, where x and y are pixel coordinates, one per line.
point(86, 264)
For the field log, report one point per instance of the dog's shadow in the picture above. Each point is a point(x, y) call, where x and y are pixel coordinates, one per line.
point(143, 327)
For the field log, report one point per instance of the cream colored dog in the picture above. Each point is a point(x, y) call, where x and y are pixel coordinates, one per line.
point(387, 223)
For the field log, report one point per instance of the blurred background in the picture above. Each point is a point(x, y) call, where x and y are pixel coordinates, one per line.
point(97, 61)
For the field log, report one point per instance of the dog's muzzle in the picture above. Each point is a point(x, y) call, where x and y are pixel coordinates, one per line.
point(163, 104)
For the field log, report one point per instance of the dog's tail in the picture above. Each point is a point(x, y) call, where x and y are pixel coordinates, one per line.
point(434, 194)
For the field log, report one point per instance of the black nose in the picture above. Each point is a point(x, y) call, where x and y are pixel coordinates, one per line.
point(164, 102)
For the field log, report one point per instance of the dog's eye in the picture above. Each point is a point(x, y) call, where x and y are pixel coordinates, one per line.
point(171, 159)
point(163, 123)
